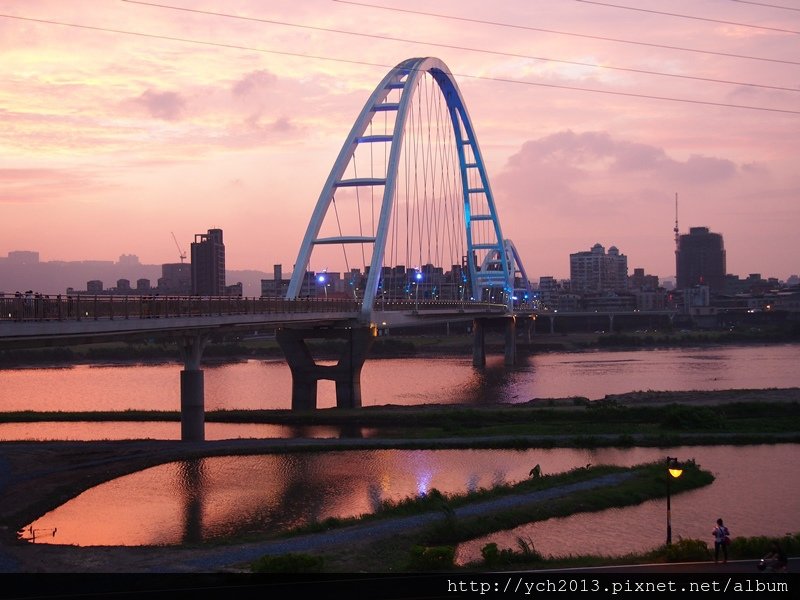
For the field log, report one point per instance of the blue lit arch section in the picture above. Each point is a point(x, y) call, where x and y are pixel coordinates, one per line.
point(518, 279)
point(481, 223)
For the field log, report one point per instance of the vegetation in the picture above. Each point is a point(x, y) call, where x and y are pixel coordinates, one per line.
point(639, 418)
point(683, 550)
point(442, 558)
point(288, 563)
point(432, 546)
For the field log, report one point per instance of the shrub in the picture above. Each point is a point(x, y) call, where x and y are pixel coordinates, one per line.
point(691, 417)
point(688, 550)
point(433, 558)
point(527, 550)
point(288, 563)
point(758, 546)
point(490, 554)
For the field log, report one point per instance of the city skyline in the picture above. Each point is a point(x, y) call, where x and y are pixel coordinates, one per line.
point(131, 121)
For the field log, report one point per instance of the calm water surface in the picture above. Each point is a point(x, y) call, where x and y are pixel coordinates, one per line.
point(259, 384)
point(214, 497)
point(205, 499)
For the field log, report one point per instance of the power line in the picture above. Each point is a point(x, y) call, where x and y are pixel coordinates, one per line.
point(657, 12)
point(454, 47)
point(371, 64)
point(568, 33)
point(767, 5)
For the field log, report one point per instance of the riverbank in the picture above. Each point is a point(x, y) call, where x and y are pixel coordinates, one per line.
point(395, 346)
point(36, 477)
point(360, 544)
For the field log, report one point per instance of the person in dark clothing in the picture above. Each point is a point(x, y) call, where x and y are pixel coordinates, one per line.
point(721, 541)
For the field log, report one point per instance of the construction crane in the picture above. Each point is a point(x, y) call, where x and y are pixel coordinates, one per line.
point(181, 253)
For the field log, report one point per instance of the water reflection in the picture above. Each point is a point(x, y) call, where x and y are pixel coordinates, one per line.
point(162, 430)
point(212, 498)
point(192, 483)
point(257, 384)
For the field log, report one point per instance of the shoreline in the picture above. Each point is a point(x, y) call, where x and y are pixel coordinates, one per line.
point(390, 347)
point(38, 476)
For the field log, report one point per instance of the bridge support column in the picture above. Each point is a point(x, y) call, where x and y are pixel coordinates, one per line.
point(511, 341)
point(552, 324)
point(478, 343)
point(193, 389)
point(611, 323)
point(306, 372)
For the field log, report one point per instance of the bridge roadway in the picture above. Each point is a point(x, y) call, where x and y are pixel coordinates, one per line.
point(192, 321)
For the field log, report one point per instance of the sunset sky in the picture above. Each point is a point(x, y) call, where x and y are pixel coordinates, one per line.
point(122, 122)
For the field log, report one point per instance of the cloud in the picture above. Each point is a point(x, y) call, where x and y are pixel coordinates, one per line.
point(168, 106)
point(254, 83)
point(591, 170)
point(44, 185)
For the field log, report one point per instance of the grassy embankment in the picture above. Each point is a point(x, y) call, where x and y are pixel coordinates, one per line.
point(433, 547)
point(635, 419)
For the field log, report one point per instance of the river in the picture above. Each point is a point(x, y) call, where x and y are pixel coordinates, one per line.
point(266, 384)
point(214, 497)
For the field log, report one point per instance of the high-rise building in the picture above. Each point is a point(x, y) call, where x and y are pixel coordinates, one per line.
point(700, 260)
point(597, 272)
point(176, 278)
point(208, 264)
point(277, 286)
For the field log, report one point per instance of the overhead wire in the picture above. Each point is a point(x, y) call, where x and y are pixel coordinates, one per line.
point(566, 33)
point(458, 47)
point(764, 4)
point(383, 65)
point(693, 17)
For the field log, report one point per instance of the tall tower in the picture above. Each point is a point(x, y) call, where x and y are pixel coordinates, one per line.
point(208, 264)
point(675, 229)
point(700, 259)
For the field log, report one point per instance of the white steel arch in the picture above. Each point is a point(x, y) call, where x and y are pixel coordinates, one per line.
point(404, 78)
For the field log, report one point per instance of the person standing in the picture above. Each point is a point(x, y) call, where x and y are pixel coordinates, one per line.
point(721, 541)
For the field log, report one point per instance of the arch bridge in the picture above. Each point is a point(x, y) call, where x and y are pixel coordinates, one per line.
point(407, 202)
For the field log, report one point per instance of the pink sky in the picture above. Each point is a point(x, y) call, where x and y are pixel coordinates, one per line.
point(109, 142)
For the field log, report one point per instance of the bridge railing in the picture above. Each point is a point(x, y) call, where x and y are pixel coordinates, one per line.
point(437, 305)
point(77, 307)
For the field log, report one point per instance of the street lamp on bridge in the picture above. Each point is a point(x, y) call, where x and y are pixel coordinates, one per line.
point(418, 277)
point(322, 280)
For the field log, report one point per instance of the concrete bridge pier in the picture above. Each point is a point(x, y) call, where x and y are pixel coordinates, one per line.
point(529, 325)
point(611, 323)
point(346, 373)
point(478, 343)
point(511, 341)
point(192, 388)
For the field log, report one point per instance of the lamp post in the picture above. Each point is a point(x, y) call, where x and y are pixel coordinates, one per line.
point(418, 277)
point(675, 470)
point(321, 279)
